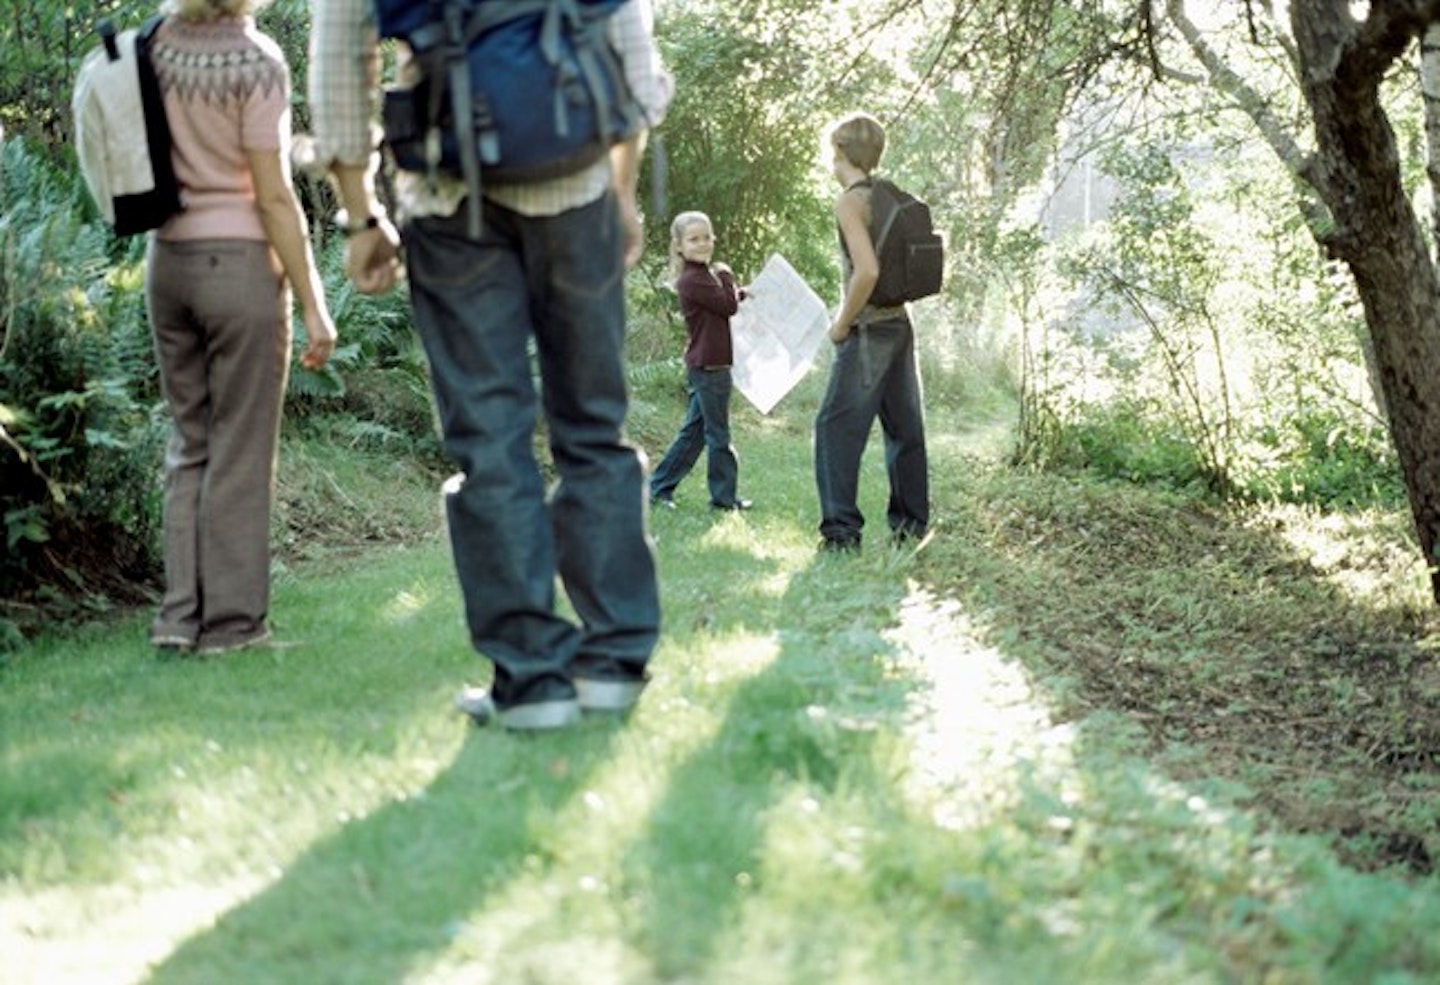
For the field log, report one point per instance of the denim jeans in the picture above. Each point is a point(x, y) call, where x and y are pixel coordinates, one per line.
point(706, 425)
point(874, 374)
point(477, 305)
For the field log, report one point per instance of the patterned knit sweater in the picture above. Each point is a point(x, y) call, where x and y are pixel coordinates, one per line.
point(227, 93)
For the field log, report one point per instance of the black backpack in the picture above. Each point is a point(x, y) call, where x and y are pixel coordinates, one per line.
point(511, 90)
point(911, 253)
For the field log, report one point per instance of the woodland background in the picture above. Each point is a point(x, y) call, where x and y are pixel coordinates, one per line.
point(1189, 248)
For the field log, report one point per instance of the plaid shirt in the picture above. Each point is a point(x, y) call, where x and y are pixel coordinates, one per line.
point(344, 101)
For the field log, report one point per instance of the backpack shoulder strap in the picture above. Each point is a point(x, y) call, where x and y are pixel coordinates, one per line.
point(889, 198)
point(148, 29)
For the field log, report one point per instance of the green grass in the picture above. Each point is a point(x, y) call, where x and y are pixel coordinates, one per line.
point(884, 768)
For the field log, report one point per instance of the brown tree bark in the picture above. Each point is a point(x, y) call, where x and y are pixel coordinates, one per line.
point(1356, 172)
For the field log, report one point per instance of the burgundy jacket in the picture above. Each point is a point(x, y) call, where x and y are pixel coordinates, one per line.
point(707, 300)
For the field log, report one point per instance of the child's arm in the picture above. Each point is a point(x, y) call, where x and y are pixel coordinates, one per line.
point(741, 291)
point(850, 213)
point(717, 293)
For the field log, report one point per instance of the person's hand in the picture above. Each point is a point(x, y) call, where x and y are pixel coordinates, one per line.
point(372, 258)
point(631, 231)
point(320, 337)
point(838, 332)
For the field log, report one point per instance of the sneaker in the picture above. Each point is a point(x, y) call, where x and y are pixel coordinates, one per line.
point(230, 646)
point(840, 545)
point(662, 502)
point(537, 716)
point(176, 645)
point(734, 506)
point(614, 697)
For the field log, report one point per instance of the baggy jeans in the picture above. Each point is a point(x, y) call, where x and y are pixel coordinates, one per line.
point(220, 315)
point(706, 425)
point(874, 375)
point(478, 305)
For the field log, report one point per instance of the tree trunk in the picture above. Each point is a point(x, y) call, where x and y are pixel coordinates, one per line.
point(1430, 92)
point(1356, 170)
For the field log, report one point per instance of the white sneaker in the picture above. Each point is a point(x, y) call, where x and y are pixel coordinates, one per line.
point(540, 715)
point(615, 697)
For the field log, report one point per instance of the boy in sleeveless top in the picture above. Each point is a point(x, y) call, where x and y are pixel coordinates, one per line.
point(874, 374)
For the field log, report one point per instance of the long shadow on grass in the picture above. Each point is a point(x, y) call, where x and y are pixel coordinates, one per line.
point(396, 886)
point(793, 735)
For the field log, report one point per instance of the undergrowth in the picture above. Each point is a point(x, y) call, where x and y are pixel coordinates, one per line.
point(1285, 653)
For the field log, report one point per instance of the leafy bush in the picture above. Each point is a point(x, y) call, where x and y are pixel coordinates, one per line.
point(1120, 441)
point(79, 498)
point(1202, 343)
point(1325, 459)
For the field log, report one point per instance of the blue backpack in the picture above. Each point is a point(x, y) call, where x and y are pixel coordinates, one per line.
point(510, 90)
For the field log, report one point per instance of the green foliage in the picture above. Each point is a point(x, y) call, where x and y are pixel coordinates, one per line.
point(1205, 342)
point(1155, 265)
point(44, 43)
point(288, 23)
point(378, 374)
point(742, 138)
point(1329, 459)
point(78, 381)
point(1122, 441)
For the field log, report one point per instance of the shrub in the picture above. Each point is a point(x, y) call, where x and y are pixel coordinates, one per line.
point(78, 494)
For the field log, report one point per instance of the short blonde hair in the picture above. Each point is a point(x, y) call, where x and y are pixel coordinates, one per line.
point(206, 10)
point(682, 222)
point(861, 138)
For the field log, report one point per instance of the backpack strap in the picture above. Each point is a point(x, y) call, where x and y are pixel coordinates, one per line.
point(443, 50)
point(105, 27)
point(462, 108)
point(887, 192)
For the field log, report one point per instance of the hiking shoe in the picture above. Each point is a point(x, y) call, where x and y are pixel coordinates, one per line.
point(735, 506)
point(612, 697)
point(536, 716)
point(176, 645)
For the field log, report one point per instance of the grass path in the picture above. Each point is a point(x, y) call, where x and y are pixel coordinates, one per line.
point(838, 776)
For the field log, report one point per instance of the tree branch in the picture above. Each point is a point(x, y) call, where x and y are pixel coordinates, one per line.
point(1254, 105)
point(1228, 81)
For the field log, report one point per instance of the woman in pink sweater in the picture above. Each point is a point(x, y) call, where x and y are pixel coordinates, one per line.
point(220, 280)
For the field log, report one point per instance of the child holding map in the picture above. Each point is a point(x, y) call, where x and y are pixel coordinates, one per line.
point(708, 298)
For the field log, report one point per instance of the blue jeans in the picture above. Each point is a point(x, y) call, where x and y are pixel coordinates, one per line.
point(874, 374)
point(706, 425)
point(477, 304)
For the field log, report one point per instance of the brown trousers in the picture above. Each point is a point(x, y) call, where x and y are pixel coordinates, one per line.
point(220, 314)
